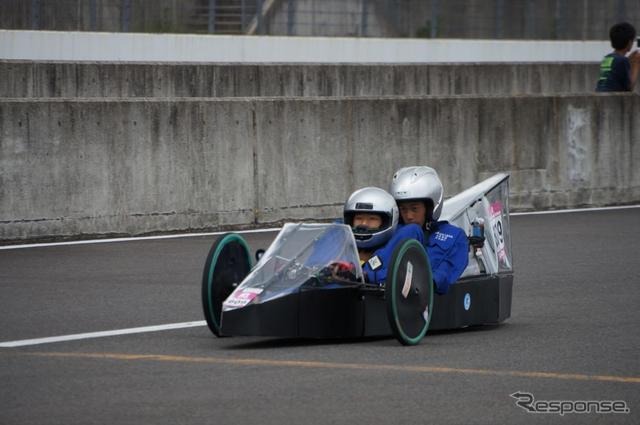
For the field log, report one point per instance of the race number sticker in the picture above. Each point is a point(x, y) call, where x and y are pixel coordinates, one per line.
point(242, 297)
point(497, 229)
point(407, 280)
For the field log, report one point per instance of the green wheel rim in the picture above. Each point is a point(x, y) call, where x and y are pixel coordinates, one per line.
point(403, 337)
point(210, 268)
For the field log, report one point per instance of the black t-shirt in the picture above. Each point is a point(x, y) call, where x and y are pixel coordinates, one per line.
point(615, 74)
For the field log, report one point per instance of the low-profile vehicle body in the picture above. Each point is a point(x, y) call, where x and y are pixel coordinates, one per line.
point(309, 282)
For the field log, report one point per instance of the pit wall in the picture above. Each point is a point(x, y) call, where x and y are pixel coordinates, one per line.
point(73, 168)
point(127, 47)
point(100, 79)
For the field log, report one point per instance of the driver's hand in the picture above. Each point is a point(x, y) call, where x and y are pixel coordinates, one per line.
point(344, 269)
point(340, 270)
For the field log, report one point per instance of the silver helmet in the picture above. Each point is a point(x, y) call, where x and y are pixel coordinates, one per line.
point(418, 184)
point(372, 200)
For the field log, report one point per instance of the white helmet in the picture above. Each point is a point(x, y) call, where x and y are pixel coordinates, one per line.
point(372, 200)
point(419, 184)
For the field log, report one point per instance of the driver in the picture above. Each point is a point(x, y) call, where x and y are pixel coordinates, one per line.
point(372, 214)
point(419, 194)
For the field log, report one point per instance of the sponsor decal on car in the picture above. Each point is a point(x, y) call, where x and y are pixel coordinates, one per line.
point(242, 297)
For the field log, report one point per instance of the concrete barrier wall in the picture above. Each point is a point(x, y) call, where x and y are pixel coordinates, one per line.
point(70, 79)
point(94, 46)
point(97, 167)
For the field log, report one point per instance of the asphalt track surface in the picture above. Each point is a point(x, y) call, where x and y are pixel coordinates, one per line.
point(573, 335)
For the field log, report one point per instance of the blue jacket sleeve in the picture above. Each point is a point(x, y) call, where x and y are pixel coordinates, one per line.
point(453, 262)
point(379, 276)
point(448, 250)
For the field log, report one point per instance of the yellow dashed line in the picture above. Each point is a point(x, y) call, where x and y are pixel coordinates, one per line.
point(351, 366)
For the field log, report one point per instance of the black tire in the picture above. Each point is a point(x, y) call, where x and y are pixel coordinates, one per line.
point(406, 311)
point(228, 263)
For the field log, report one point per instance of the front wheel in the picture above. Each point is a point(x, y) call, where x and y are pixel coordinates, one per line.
point(409, 292)
point(228, 263)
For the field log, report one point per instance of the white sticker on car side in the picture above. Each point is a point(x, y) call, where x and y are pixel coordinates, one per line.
point(497, 229)
point(407, 280)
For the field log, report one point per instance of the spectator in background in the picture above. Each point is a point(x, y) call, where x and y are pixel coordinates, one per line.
point(617, 71)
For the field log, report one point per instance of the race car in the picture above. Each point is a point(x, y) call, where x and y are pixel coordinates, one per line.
point(309, 282)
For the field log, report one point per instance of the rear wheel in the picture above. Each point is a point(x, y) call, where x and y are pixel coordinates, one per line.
point(409, 292)
point(228, 263)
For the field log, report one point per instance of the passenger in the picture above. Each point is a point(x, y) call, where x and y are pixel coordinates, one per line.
point(372, 213)
point(419, 194)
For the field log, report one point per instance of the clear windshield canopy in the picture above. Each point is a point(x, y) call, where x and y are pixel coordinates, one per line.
point(298, 256)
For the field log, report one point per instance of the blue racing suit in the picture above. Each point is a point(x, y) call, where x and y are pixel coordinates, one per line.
point(448, 251)
point(383, 254)
point(446, 245)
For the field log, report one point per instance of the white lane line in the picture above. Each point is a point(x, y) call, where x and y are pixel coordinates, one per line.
point(74, 337)
point(577, 210)
point(133, 239)
point(273, 229)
